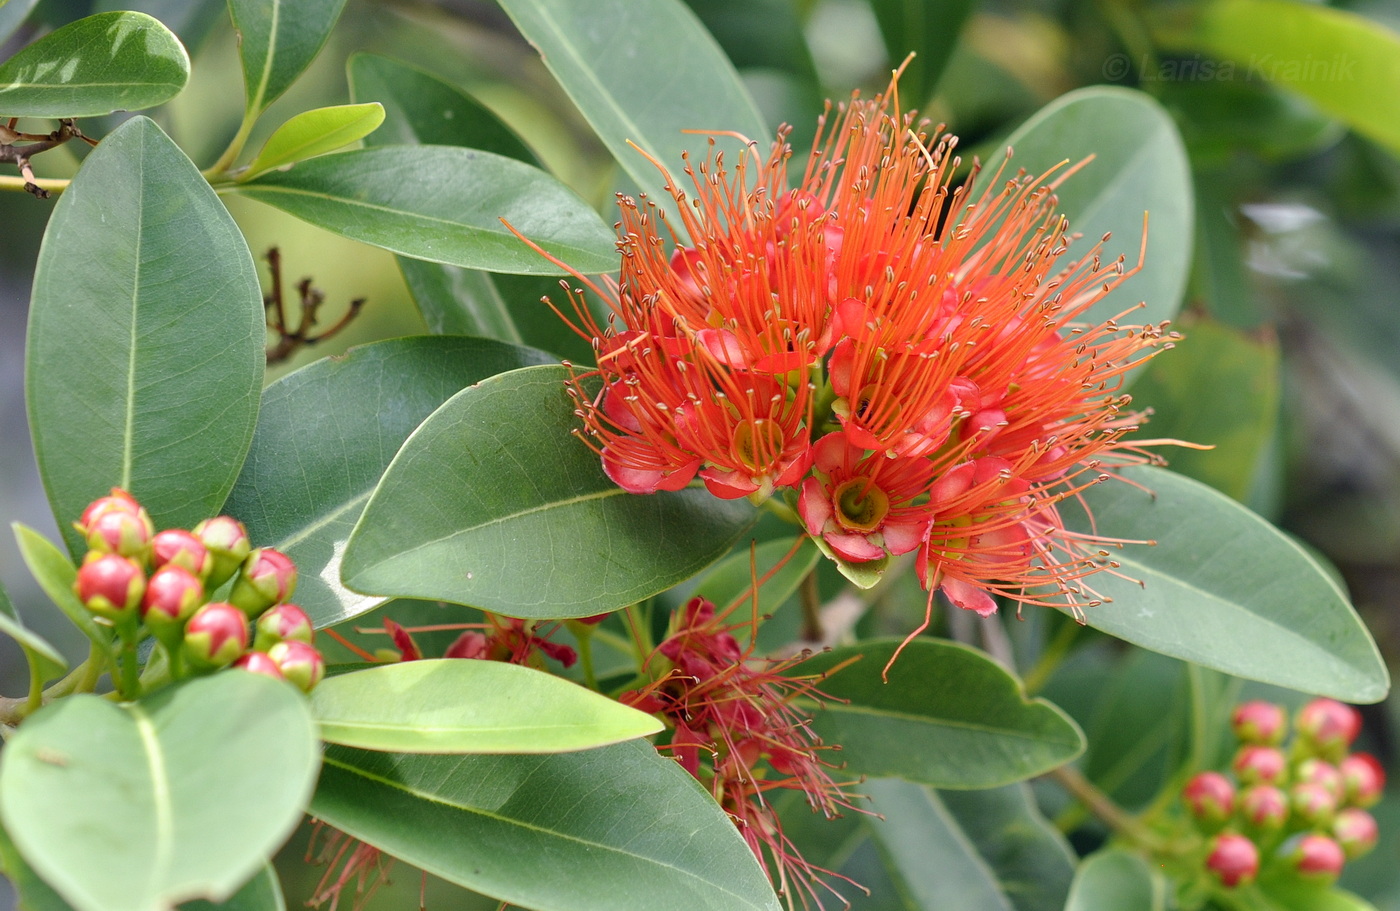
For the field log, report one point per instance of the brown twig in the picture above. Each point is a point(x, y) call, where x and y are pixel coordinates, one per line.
point(35, 143)
point(290, 341)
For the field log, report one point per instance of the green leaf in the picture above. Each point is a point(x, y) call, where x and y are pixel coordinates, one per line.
point(1139, 165)
point(619, 62)
point(494, 503)
point(613, 829)
point(182, 795)
point(191, 20)
point(729, 584)
point(989, 850)
point(261, 893)
point(33, 893)
point(326, 433)
point(1223, 588)
point(865, 575)
point(145, 349)
point(928, 30)
point(1342, 61)
point(316, 132)
point(46, 660)
point(457, 705)
point(104, 63)
point(949, 716)
point(443, 204)
point(277, 40)
point(56, 574)
point(1115, 880)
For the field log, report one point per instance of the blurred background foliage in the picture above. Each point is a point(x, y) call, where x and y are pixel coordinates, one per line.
point(1290, 112)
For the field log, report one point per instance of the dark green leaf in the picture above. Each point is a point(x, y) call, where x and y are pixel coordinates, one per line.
point(261, 893)
point(50, 662)
point(56, 574)
point(928, 30)
point(619, 61)
point(182, 795)
point(145, 350)
point(1114, 880)
point(192, 20)
point(278, 39)
point(316, 132)
point(443, 204)
point(613, 829)
point(494, 503)
point(730, 583)
point(1225, 589)
point(1139, 165)
point(327, 432)
point(104, 63)
point(989, 850)
point(457, 705)
point(949, 716)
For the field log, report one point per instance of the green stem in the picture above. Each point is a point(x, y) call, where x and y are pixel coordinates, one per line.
point(585, 660)
point(235, 148)
point(53, 185)
point(1050, 658)
point(36, 685)
point(811, 609)
point(1102, 806)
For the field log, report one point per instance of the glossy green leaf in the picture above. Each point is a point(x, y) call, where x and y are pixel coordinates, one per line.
point(1182, 387)
point(44, 659)
point(1114, 880)
point(456, 705)
point(145, 349)
point(32, 892)
point(443, 204)
point(613, 829)
point(1286, 894)
point(619, 62)
point(1225, 589)
point(182, 795)
point(192, 20)
point(989, 850)
point(316, 132)
point(109, 62)
point(1342, 61)
point(494, 502)
point(261, 893)
point(326, 433)
point(949, 716)
point(730, 583)
point(1139, 165)
point(56, 574)
point(929, 31)
point(12, 16)
point(278, 39)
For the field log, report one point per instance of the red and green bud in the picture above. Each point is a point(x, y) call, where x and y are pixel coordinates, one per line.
point(1363, 779)
point(118, 531)
point(259, 663)
point(118, 501)
point(227, 542)
point(280, 624)
point(177, 547)
point(1316, 857)
point(172, 595)
point(1356, 831)
point(216, 635)
point(1260, 722)
point(1264, 807)
point(299, 662)
point(268, 577)
point(1210, 797)
point(1233, 859)
point(1320, 771)
point(1313, 804)
point(110, 585)
point(1328, 727)
point(1256, 764)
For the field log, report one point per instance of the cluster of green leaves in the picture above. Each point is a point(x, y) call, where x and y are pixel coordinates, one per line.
point(443, 467)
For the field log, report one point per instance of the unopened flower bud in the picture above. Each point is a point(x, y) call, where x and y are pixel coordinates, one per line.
point(1356, 831)
point(177, 547)
point(1317, 858)
point(121, 532)
point(118, 501)
point(1210, 797)
point(268, 577)
point(1260, 722)
point(282, 623)
point(216, 635)
point(1363, 779)
point(1264, 807)
point(259, 663)
point(1322, 772)
point(110, 585)
point(172, 595)
point(1256, 764)
point(1233, 859)
point(1312, 803)
point(1328, 727)
point(470, 644)
point(299, 662)
point(227, 542)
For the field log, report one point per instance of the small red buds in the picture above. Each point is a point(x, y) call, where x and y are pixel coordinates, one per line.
point(227, 542)
point(299, 663)
point(1322, 772)
point(216, 635)
point(118, 501)
point(268, 577)
point(1256, 764)
point(177, 547)
point(110, 585)
point(1317, 858)
point(1328, 726)
point(1264, 807)
point(259, 663)
point(1356, 831)
point(1313, 803)
point(1210, 797)
point(121, 531)
point(1363, 779)
point(281, 623)
point(1259, 722)
point(171, 597)
point(1234, 859)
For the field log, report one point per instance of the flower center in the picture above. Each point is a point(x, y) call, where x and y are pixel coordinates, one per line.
point(860, 505)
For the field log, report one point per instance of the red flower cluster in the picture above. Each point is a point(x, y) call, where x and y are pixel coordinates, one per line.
point(907, 358)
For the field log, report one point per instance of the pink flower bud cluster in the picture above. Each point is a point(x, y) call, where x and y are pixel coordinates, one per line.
point(141, 582)
point(1298, 806)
